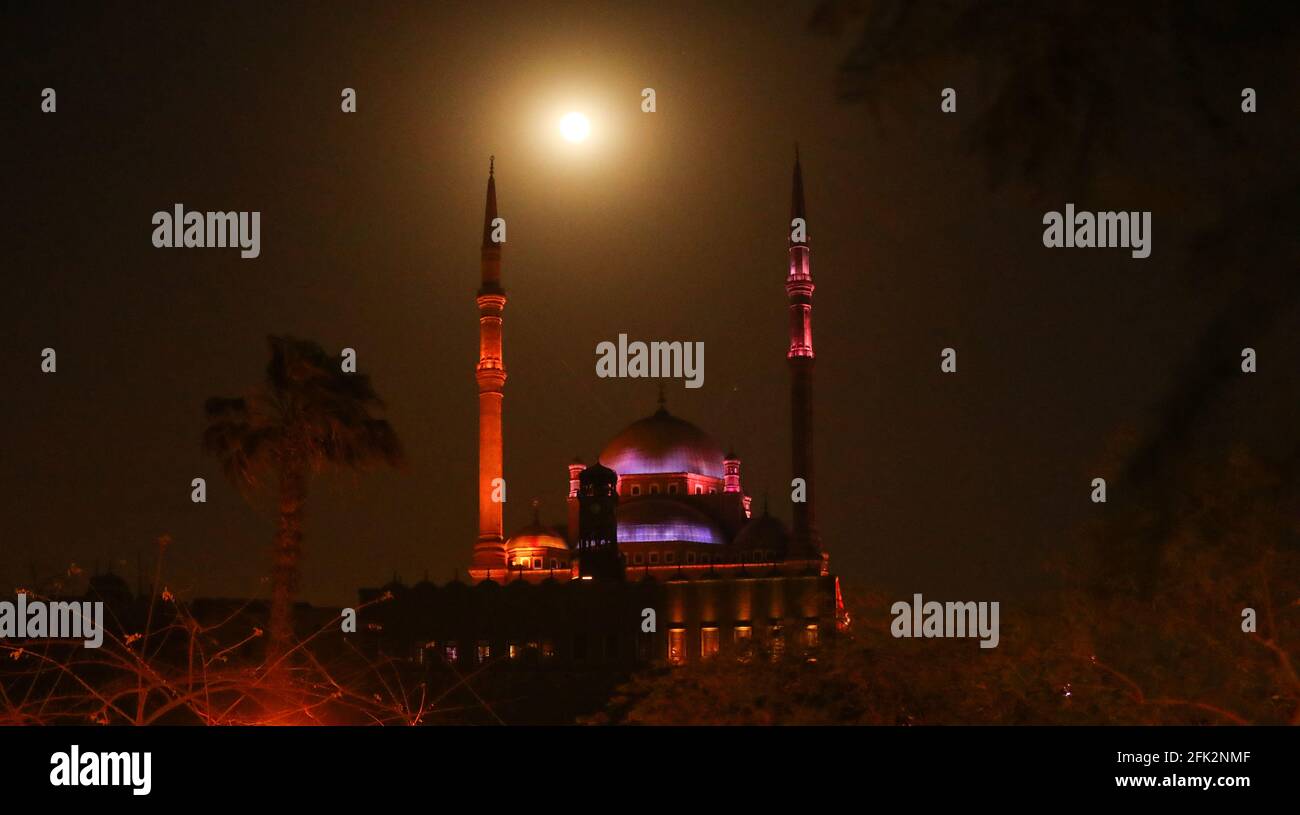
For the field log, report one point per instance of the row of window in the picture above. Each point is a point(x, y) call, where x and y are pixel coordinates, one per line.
point(741, 634)
point(652, 558)
point(537, 563)
point(635, 489)
point(710, 641)
point(450, 650)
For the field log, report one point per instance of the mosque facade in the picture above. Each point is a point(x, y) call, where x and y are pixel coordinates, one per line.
point(662, 555)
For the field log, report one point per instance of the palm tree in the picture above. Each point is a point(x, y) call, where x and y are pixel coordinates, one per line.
point(306, 417)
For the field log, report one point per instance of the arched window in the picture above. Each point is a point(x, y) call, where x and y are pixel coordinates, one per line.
point(676, 646)
point(708, 641)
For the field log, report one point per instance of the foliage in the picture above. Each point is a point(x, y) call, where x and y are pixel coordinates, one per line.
point(178, 670)
point(308, 416)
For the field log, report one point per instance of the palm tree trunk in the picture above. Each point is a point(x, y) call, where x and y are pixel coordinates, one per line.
point(286, 558)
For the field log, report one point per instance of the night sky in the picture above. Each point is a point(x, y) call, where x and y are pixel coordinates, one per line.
point(665, 226)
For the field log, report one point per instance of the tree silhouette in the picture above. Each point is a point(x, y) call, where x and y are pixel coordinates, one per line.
point(306, 417)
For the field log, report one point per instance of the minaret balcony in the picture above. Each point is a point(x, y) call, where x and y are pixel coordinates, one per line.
point(490, 377)
point(801, 285)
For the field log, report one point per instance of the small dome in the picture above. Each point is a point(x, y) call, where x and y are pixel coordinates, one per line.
point(763, 532)
point(535, 536)
point(663, 443)
point(666, 520)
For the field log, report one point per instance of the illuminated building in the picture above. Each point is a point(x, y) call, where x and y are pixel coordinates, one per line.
point(659, 521)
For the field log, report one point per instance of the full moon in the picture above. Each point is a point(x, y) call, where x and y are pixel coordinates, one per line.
point(575, 127)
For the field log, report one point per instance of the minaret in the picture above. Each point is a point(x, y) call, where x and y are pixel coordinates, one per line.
point(799, 289)
point(490, 550)
point(575, 483)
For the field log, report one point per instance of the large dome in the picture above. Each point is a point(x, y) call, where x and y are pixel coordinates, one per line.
point(665, 520)
point(663, 443)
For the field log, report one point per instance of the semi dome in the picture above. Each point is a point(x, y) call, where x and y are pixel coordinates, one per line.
point(666, 520)
point(663, 443)
point(764, 532)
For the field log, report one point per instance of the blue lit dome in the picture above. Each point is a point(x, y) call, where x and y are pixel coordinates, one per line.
point(663, 443)
point(665, 520)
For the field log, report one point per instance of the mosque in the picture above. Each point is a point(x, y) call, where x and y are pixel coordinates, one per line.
point(662, 557)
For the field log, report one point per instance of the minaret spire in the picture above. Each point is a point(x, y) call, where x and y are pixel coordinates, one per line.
point(490, 210)
point(489, 550)
point(797, 209)
point(799, 291)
